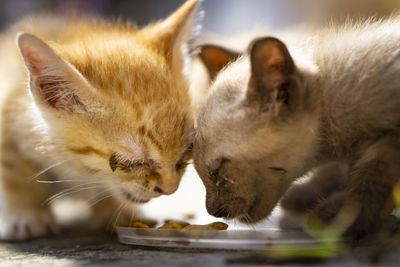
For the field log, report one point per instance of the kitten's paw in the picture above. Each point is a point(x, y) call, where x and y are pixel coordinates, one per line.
point(327, 209)
point(366, 224)
point(23, 225)
point(307, 194)
point(299, 199)
point(355, 221)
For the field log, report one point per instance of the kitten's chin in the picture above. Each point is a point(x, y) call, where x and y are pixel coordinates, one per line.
point(127, 196)
point(256, 212)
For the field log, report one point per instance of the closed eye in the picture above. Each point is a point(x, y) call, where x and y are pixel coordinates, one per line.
point(130, 165)
point(184, 160)
point(214, 174)
point(181, 165)
point(281, 170)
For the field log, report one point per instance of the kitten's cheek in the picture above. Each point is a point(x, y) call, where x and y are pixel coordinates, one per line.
point(258, 210)
point(132, 198)
point(124, 196)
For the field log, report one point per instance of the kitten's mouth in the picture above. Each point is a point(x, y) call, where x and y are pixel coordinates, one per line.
point(135, 199)
point(250, 217)
point(253, 207)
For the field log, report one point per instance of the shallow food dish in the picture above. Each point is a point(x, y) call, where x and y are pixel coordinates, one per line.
point(210, 239)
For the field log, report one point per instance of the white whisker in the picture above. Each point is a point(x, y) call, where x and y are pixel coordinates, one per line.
point(101, 199)
point(95, 198)
point(109, 225)
point(247, 218)
point(48, 182)
point(47, 169)
point(132, 216)
point(119, 214)
point(68, 181)
point(71, 191)
point(119, 210)
point(61, 181)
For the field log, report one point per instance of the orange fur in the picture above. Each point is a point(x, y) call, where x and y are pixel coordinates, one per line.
point(107, 102)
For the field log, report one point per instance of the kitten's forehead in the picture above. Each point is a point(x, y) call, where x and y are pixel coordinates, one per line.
point(156, 131)
point(234, 77)
point(123, 73)
point(228, 92)
point(118, 69)
point(123, 65)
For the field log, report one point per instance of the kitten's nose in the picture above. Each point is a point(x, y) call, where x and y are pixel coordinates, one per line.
point(159, 190)
point(216, 209)
point(162, 191)
point(165, 184)
point(220, 213)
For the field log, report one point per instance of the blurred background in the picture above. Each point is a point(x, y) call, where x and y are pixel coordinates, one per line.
point(222, 16)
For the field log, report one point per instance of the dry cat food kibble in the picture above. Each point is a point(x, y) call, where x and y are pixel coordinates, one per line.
point(177, 225)
point(211, 226)
point(190, 216)
point(187, 226)
point(139, 224)
point(173, 225)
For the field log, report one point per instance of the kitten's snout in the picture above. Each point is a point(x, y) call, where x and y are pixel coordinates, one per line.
point(164, 184)
point(229, 208)
point(220, 213)
point(165, 189)
point(162, 191)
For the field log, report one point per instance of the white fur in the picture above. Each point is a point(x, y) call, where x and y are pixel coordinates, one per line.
point(348, 98)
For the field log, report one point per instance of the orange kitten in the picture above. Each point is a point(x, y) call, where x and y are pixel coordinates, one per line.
point(106, 109)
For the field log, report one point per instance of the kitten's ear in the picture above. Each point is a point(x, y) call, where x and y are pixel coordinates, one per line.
point(175, 31)
point(52, 81)
point(272, 71)
point(215, 58)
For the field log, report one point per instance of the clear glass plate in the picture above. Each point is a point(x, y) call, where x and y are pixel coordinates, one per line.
point(190, 199)
point(206, 239)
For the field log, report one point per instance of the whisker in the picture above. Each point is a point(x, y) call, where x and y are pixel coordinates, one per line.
point(248, 221)
point(49, 182)
point(70, 191)
point(245, 219)
point(63, 181)
point(235, 222)
point(52, 199)
point(229, 214)
point(47, 169)
point(132, 215)
point(110, 225)
point(99, 194)
point(221, 208)
point(101, 199)
point(119, 214)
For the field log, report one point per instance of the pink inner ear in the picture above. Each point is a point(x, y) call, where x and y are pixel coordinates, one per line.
point(33, 62)
point(50, 79)
point(51, 89)
point(34, 65)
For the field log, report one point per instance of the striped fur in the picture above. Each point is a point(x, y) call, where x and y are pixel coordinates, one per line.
point(102, 94)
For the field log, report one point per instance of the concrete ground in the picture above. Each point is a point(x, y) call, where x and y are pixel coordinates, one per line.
point(100, 250)
point(74, 248)
point(105, 250)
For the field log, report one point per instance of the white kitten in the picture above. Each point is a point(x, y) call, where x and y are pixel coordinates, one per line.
point(330, 101)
